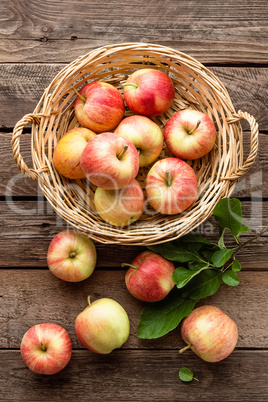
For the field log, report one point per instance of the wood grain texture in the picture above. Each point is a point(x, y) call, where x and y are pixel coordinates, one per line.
point(22, 86)
point(138, 376)
point(30, 297)
point(28, 227)
point(214, 31)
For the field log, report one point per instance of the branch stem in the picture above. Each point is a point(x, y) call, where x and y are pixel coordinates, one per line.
point(249, 241)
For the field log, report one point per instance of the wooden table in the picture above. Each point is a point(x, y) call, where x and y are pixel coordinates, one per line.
point(37, 39)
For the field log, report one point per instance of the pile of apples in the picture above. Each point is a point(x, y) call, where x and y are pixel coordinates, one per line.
point(109, 151)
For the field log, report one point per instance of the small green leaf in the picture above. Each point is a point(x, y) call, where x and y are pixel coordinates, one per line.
point(157, 319)
point(205, 284)
point(230, 278)
point(221, 239)
point(186, 375)
point(208, 253)
point(182, 276)
point(236, 267)
point(175, 253)
point(220, 257)
point(194, 238)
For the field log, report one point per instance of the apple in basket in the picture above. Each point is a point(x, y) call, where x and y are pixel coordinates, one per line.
point(68, 151)
point(171, 186)
point(71, 256)
point(99, 106)
point(46, 348)
point(149, 277)
point(109, 161)
point(190, 134)
point(149, 92)
point(103, 326)
point(210, 333)
point(120, 207)
point(145, 135)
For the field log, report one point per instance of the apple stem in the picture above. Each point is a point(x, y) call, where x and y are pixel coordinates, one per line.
point(72, 254)
point(185, 348)
point(131, 84)
point(82, 98)
point(88, 300)
point(43, 347)
point(125, 264)
point(196, 127)
point(168, 179)
point(123, 151)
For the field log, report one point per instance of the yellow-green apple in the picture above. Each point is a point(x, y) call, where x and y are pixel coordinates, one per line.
point(99, 106)
point(149, 92)
point(171, 186)
point(110, 161)
point(210, 333)
point(103, 326)
point(149, 277)
point(145, 135)
point(71, 256)
point(68, 151)
point(190, 134)
point(120, 207)
point(46, 348)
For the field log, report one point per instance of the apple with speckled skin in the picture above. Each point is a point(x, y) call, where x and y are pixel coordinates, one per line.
point(145, 134)
point(46, 348)
point(99, 106)
point(149, 277)
point(190, 134)
point(103, 326)
point(210, 333)
point(109, 161)
point(120, 207)
point(71, 256)
point(149, 92)
point(68, 151)
point(171, 186)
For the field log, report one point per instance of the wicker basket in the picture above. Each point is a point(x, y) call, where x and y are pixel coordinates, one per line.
point(196, 87)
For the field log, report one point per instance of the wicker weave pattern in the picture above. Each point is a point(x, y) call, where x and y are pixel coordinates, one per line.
point(196, 87)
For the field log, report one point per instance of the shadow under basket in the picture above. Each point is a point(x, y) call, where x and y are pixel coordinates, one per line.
point(196, 87)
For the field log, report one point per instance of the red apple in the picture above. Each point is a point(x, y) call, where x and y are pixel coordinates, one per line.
point(149, 277)
point(120, 207)
point(210, 333)
point(71, 256)
point(171, 186)
point(145, 135)
point(149, 92)
point(103, 326)
point(68, 151)
point(110, 161)
point(99, 106)
point(190, 134)
point(46, 348)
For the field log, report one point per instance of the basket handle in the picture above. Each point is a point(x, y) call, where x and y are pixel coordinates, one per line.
point(254, 142)
point(34, 174)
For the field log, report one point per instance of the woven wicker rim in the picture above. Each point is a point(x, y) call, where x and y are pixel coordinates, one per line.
point(196, 87)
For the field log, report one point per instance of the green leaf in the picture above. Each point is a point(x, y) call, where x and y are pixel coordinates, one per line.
point(205, 284)
point(194, 238)
point(221, 239)
point(157, 319)
point(220, 257)
point(182, 276)
point(186, 375)
point(208, 253)
point(230, 278)
point(236, 267)
point(175, 253)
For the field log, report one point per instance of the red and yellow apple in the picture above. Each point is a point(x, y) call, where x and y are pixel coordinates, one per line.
point(46, 348)
point(149, 92)
point(190, 134)
point(71, 256)
point(99, 106)
point(68, 151)
point(109, 161)
point(149, 277)
point(171, 186)
point(103, 326)
point(120, 207)
point(145, 135)
point(210, 333)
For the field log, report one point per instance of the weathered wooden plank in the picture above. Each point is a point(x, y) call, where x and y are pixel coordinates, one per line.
point(28, 227)
point(29, 297)
point(138, 376)
point(22, 85)
point(215, 31)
